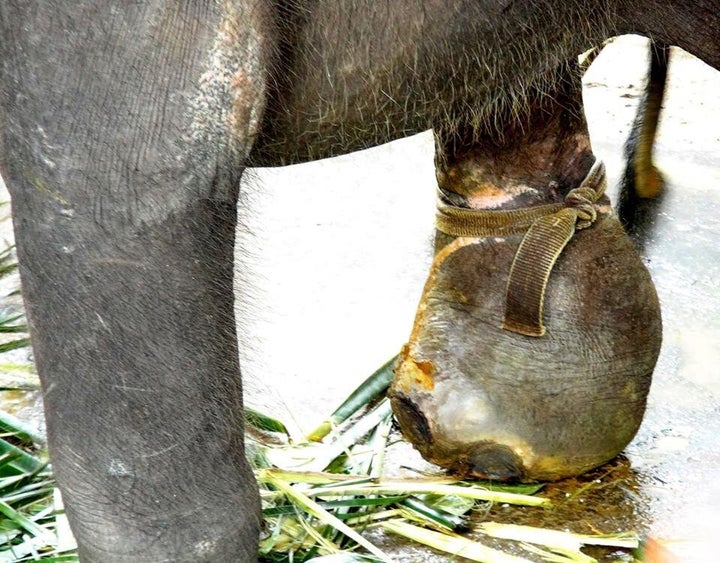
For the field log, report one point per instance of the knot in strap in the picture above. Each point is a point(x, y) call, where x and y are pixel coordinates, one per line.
point(547, 228)
point(583, 201)
point(584, 197)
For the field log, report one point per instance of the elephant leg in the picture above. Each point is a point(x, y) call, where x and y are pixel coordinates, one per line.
point(535, 339)
point(642, 183)
point(124, 128)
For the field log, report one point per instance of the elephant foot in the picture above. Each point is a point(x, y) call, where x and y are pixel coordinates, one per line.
point(534, 343)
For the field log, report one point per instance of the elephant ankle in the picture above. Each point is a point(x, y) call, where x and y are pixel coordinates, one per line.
point(482, 181)
point(221, 539)
point(530, 168)
point(218, 519)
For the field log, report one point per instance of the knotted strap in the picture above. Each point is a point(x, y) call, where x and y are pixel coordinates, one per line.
point(547, 228)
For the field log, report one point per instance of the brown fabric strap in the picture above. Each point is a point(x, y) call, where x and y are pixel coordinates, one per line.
point(463, 222)
point(547, 228)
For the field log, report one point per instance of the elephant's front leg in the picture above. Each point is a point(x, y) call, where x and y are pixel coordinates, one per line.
point(124, 131)
point(135, 344)
point(538, 330)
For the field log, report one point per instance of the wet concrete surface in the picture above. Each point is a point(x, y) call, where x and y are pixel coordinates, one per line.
point(332, 259)
point(675, 458)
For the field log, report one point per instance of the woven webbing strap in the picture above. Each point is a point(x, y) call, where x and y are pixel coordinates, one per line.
point(547, 228)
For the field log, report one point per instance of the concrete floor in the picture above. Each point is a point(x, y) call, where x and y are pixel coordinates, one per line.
point(333, 256)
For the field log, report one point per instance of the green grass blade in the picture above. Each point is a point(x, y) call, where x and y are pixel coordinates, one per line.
point(564, 542)
point(5, 269)
point(13, 425)
point(22, 521)
point(312, 508)
point(450, 504)
point(364, 519)
point(312, 477)
point(438, 518)
point(417, 486)
point(14, 345)
point(14, 329)
point(6, 322)
point(42, 490)
point(362, 501)
point(343, 558)
point(457, 546)
point(263, 422)
point(21, 461)
point(316, 456)
point(370, 389)
point(332, 504)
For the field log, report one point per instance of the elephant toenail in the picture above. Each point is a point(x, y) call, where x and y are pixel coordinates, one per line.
point(496, 462)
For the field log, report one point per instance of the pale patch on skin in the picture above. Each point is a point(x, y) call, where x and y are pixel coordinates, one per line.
point(227, 110)
point(604, 208)
point(205, 547)
point(118, 468)
point(460, 414)
point(244, 117)
point(489, 181)
point(42, 136)
point(469, 418)
point(490, 196)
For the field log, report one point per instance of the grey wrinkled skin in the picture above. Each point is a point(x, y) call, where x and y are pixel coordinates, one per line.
point(124, 129)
